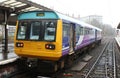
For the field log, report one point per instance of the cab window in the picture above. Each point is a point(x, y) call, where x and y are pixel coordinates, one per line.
point(50, 30)
point(35, 30)
point(22, 30)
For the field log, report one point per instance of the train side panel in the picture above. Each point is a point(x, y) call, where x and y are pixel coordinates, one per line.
point(87, 38)
point(84, 37)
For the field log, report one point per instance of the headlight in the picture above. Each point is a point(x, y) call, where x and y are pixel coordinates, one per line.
point(50, 46)
point(19, 44)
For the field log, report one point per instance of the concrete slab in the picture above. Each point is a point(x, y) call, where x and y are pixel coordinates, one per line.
point(87, 57)
point(79, 66)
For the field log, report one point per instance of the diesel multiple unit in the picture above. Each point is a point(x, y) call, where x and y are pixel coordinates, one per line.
point(54, 37)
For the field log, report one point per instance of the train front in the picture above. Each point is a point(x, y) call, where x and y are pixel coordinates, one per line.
point(38, 35)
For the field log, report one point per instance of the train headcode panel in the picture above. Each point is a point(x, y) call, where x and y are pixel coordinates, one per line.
point(40, 14)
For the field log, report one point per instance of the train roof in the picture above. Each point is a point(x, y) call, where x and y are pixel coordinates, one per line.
point(65, 17)
point(54, 15)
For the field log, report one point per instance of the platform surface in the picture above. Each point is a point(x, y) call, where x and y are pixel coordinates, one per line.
point(7, 57)
point(118, 40)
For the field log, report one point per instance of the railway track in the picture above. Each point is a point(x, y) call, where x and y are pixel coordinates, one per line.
point(117, 61)
point(104, 66)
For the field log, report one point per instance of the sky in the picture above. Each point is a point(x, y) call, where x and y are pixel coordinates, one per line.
point(109, 9)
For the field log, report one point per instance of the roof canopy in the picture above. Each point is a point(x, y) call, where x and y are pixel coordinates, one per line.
point(14, 7)
point(118, 26)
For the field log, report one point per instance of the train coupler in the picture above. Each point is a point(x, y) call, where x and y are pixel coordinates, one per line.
point(32, 62)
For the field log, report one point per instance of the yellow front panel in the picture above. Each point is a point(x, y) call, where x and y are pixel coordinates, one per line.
point(37, 48)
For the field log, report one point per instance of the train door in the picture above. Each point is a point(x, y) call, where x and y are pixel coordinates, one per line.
point(72, 39)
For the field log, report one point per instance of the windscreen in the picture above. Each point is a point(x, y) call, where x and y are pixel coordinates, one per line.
point(50, 29)
point(43, 30)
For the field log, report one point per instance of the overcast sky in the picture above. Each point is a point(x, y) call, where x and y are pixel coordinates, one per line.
point(109, 9)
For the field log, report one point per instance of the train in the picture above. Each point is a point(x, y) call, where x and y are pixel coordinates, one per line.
point(50, 36)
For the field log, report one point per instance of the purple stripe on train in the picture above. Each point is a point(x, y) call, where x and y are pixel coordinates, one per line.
point(85, 42)
point(64, 52)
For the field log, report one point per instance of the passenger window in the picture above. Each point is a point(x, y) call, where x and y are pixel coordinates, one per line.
point(66, 30)
point(35, 30)
point(66, 33)
point(81, 31)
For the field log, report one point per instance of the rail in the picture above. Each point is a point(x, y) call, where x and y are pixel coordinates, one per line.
point(96, 61)
point(105, 65)
point(114, 60)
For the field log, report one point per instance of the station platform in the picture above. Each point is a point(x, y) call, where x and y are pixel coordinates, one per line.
point(6, 58)
point(117, 41)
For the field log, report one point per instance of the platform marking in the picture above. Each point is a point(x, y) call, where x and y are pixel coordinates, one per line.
point(8, 61)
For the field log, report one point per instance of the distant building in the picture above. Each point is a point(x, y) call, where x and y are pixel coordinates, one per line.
point(88, 19)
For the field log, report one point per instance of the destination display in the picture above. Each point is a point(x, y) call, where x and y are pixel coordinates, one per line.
point(40, 14)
